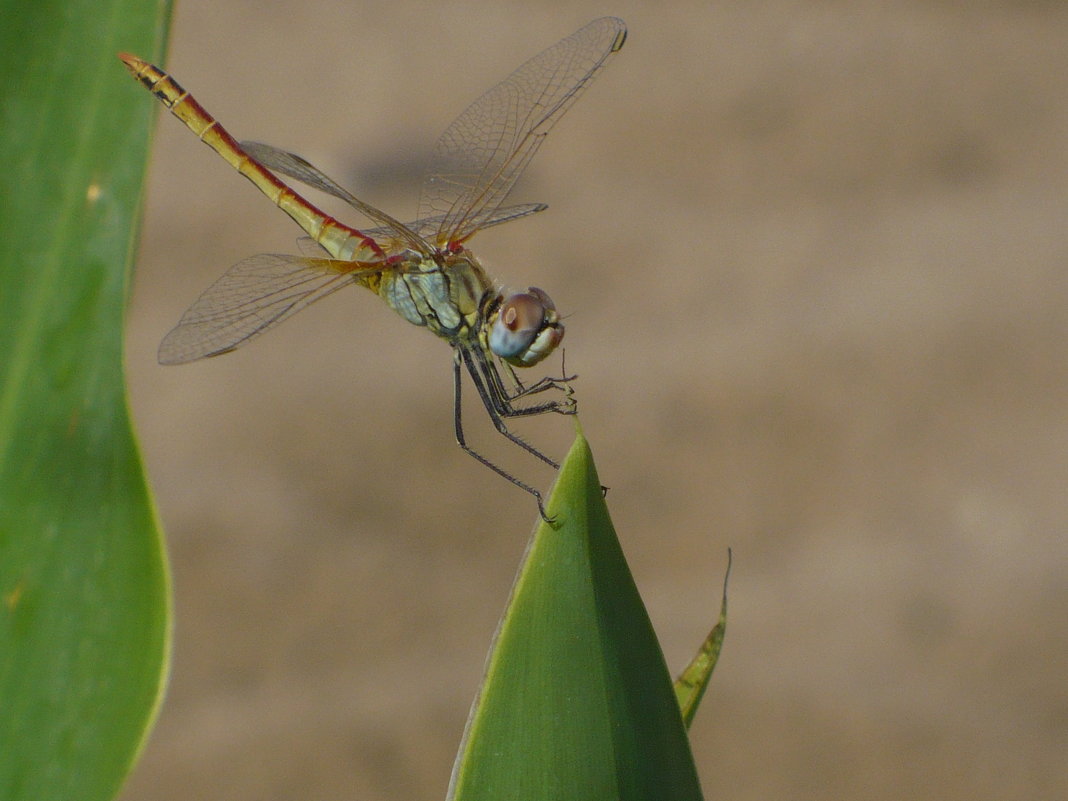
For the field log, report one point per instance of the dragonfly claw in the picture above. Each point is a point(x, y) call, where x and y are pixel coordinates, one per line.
point(550, 519)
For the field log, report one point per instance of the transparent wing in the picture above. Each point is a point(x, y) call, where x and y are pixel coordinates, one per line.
point(293, 166)
point(429, 226)
point(483, 152)
point(251, 297)
point(312, 249)
point(426, 227)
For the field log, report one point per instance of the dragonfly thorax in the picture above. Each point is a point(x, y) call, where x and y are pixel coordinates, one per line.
point(524, 327)
point(442, 295)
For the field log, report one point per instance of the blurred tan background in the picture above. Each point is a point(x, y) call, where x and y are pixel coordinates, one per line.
point(816, 262)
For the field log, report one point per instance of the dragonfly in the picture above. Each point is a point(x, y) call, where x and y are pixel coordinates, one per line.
point(423, 269)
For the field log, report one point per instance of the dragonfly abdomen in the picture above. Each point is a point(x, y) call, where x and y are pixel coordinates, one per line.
point(342, 242)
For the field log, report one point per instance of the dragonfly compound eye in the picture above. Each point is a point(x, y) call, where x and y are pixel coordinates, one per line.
point(526, 328)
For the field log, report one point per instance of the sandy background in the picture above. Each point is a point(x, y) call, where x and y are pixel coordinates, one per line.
point(816, 259)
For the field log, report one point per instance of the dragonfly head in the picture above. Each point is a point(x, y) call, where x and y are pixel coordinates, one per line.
point(525, 327)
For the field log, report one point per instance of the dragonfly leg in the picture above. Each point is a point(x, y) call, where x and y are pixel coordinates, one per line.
point(497, 395)
point(497, 405)
point(502, 399)
point(461, 440)
point(542, 384)
point(562, 383)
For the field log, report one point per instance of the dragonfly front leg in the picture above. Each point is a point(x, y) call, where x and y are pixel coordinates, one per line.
point(562, 383)
point(499, 425)
point(566, 406)
point(502, 399)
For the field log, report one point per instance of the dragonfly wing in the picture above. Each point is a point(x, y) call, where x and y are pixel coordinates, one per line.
point(251, 297)
point(298, 168)
point(483, 152)
point(495, 216)
point(429, 226)
point(313, 250)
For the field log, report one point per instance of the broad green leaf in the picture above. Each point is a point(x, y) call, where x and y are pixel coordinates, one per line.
point(84, 609)
point(691, 684)
point(577, 703)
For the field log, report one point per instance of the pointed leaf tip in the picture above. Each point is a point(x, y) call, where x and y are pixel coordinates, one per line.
point(577, 702)
point(691, 684)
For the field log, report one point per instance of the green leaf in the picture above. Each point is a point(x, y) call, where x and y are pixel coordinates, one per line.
point(84, 609)
point(690, 686)
point(577, 703)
